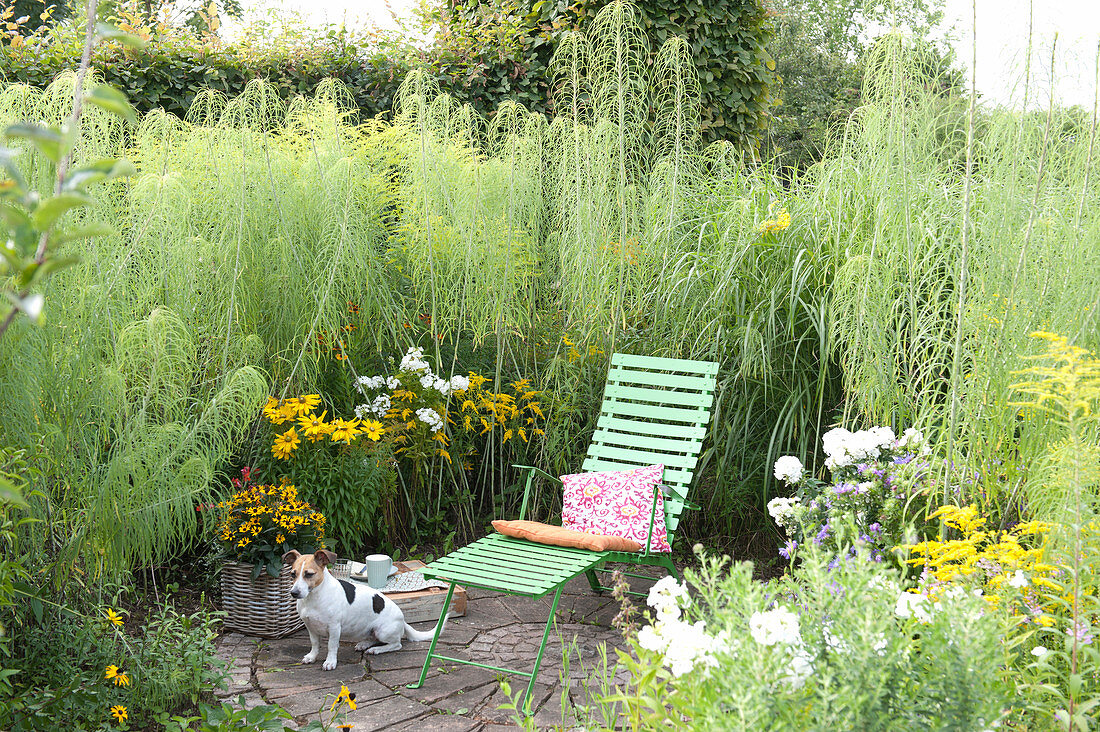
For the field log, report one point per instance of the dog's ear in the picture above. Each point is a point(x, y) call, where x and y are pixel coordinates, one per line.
point(291, 556)
point(323, 557)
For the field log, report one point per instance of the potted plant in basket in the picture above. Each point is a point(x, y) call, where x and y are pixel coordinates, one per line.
point(258, 525)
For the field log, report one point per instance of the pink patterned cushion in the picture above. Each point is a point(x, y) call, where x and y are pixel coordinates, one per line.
point(616, 503)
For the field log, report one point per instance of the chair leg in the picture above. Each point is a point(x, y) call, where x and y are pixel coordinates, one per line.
point(594, 581)
point(538, 657)
point(666, 562)
point(438, 628)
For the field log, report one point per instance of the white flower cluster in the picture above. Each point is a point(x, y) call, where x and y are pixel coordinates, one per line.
point(921, 608)
point(785, 510)
point(914, 605)
point(845, 448)
point(684, 646)
point(913, 439)
point(377, 382)
point(779, 627)
point(431, 418)
point(775, 626)
point(378, 408)
point(414, 361)
point(788, 469)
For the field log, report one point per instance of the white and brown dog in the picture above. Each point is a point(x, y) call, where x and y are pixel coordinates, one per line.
point(343, 610)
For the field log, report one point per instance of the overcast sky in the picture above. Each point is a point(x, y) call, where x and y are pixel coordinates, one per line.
point(1002, 40)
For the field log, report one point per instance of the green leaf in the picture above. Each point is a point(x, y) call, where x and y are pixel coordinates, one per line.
point(108, 32)
point(88, 231)
point(107, 97)
point(99, 171)
point(51, 209)
point(47, 140)
point(10, 494)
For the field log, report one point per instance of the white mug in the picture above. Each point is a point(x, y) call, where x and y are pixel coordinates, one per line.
point(378, 570)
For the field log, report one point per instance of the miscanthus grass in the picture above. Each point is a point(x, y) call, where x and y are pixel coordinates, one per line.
point(534, 248)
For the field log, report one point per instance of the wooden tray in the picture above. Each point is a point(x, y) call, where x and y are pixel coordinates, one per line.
point(424, 605)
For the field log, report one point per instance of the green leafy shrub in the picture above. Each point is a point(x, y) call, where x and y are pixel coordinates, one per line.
point(843, 647)
point(78, 668)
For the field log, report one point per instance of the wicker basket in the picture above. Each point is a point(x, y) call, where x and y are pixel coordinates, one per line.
point(263, 608)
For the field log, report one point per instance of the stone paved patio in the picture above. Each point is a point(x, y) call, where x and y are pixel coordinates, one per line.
point(497, 629)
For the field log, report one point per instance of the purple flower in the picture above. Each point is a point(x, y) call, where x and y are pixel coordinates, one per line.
point(841, 488)
point(875, 528)
point(1080, 631)
point(903, 459)
point(822, 535)
point(788, 549)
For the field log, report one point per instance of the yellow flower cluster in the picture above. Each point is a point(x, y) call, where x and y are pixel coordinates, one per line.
point(776, 225)
point(271, 516)
point(574, 354)
point(301, 412)
point(990, 557)
point(517, 416)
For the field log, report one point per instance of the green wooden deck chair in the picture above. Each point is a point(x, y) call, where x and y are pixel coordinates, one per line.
point(655, 410)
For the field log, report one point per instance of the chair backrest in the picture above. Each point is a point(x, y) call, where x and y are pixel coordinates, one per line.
point(655, 410)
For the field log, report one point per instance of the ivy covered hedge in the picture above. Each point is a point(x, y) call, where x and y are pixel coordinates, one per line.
point(168, 73)
point(507, 49)
point(484, 53)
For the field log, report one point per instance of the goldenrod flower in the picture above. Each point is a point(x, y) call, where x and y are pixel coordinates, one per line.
point(119, 712)
point(114, 617)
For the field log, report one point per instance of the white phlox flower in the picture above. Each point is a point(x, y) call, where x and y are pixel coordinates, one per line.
point(684, 646)
point(414, 361)
point(1039, 651)
point(778, 625)
point(785, 510)
point(431, 418)
point(845, 448)
point(911, 438)
point(800, 668)
point(1018, 580)
point(459, 383)
point(913, 605)
point(381, 405)
point(788, 469)
point(427, 381)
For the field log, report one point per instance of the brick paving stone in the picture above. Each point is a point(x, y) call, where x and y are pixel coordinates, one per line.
point(498, 630)
point(490, 711)
point(440, 723)
point(464, 702)
point(457, 678)
point(387, 713)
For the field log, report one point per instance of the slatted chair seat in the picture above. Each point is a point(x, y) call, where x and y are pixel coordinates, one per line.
point(655, 411)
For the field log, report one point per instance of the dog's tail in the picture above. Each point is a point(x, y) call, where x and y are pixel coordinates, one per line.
point(426, 635)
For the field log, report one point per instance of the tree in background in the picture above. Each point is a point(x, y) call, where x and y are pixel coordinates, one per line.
point(820, 48)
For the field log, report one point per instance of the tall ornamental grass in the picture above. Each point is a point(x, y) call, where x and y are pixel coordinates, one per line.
point(534, 248)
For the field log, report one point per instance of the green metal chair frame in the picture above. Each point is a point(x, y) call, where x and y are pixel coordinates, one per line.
point(655, 410)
